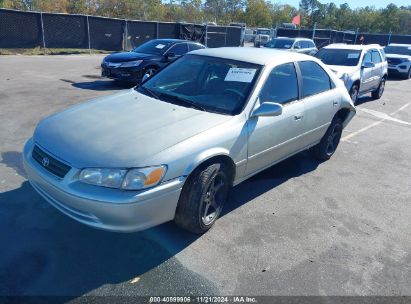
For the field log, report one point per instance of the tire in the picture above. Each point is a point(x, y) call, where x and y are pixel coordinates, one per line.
point(150, 70)
point(354, 91)
point(408, 75)
point(377, 94)
point(329, 143)
point(202, 198)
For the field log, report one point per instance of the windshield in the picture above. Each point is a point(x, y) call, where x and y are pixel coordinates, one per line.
point(339, 56)
point(263, 32)
point(279, 43)
point(399, 50)
point(153, 47)
point(205, 83)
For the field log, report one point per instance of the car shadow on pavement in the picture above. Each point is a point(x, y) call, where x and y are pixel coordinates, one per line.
point(100, 85)
point(47, 253)
point(269, 179)
point(364, 99)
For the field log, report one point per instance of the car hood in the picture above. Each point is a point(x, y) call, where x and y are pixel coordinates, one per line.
point(398, 56)
point(339, 70)
point(128, 56)
point(122, 130)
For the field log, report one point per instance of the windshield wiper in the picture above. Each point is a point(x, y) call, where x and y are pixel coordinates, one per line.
point(150, 92)
point(184, 101)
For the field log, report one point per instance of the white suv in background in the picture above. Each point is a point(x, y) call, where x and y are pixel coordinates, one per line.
point(399, 59)
point(362, 68)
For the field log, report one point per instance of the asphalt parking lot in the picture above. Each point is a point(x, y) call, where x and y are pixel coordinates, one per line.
point(299, 228)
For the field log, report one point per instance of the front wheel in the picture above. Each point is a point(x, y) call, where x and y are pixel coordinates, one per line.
point(202, 198)
point(149, 71)
point(329, 143)
point(377, 94)
point(408, 75)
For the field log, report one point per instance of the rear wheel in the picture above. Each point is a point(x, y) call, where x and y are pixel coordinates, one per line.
point(377, 94)
point(408, 75)
point(329, 143)
point(202, 198)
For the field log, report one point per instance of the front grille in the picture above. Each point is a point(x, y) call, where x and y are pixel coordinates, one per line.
point(49, 163)
point(394, 61)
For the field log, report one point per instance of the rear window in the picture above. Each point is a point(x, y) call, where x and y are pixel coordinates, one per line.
point(315, 79)
point(341, 57)
point(279, 43)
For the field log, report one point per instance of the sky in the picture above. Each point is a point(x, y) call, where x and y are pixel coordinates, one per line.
point(354, 3)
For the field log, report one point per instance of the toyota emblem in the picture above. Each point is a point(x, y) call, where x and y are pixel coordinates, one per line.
point(45, 161)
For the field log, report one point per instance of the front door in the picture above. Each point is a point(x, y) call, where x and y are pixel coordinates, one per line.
point(273, 138)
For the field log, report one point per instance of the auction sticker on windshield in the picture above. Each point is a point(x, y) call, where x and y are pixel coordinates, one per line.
point(240, 75)
point(353, 55)
point(160, 46)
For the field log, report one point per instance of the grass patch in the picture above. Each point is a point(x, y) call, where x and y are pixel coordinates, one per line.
point(47, 51)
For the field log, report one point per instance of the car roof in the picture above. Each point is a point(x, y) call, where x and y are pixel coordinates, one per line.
point(253, 55)
point(294, 38)
point(400, 44)
point(358, 47)
point(173, 40)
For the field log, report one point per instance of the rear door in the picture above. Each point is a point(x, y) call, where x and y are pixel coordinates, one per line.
point(320, 101)
point(378, 69)
point(367, 74)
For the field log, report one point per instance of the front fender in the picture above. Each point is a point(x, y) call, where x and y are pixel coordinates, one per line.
point(204, 156)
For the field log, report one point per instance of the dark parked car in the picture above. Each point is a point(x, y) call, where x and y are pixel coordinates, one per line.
point(145, 59)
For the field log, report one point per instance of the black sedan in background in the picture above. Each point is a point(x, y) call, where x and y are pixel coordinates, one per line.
point(145, 59)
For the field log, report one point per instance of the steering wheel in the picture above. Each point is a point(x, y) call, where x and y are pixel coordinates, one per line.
point(234, 92)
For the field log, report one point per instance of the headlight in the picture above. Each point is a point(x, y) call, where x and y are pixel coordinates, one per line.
point(132, 179)
point(131, 64)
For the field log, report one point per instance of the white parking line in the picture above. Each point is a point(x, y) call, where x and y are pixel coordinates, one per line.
point(351, 135)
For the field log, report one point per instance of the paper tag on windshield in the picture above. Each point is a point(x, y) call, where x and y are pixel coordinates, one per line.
point(160, 46)
point(353, 56)
point(240, 75)
point(287, 46)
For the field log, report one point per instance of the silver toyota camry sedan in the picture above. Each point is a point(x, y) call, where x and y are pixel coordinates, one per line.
point(172, 147)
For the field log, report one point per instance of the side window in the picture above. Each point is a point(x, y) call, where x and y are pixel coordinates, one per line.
point(179, 49)
point(281, 85)
point(305, 44)
point(311, 44)
point(315, 79)
point(194, 46)
point(376, 58)
point(367, 57)
point(383, 55)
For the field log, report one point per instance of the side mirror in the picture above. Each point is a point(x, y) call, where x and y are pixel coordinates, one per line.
point(268, 109)
point(296, 47)
point(367, 65)
point(170, 56)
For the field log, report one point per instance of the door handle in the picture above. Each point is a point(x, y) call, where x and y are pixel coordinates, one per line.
point(298, 116)
point(335, 103)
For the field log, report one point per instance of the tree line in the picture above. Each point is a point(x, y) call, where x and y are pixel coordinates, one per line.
point(255, 13)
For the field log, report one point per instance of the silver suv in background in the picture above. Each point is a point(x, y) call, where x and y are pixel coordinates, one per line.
point(362, 68)
point(399, 59)
point(299, 45)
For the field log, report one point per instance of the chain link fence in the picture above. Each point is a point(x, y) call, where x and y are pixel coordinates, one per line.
point(323, 37)
point(20, 29)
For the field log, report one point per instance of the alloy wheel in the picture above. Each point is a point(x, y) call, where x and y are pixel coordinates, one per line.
point(333, 139)
point(214, 199)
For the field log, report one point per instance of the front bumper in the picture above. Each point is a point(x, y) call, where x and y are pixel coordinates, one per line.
point(123, 74)
point(402, 68)
point(104, 208)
